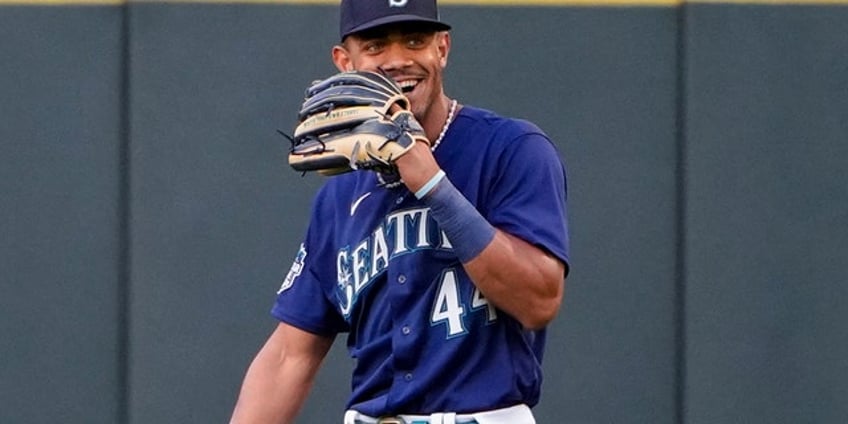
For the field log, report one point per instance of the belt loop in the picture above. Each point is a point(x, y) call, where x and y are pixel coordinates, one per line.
point(449, 418)
point(350, 417)
point(436, 418)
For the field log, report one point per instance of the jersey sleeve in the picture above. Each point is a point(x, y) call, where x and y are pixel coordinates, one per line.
point(304, 298)
point(528, 195)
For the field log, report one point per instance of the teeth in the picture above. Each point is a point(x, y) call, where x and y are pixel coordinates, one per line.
point(407, 84)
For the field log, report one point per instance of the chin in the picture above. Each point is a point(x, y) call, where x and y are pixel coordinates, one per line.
point(418, 113)
point(417, 109)
point(418, 102)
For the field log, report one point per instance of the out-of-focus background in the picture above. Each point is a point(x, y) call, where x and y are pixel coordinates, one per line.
point(148, 213)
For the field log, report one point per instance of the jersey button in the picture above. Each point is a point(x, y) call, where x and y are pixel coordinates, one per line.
point(405, 330)
point(408, 376)
point(401, 279)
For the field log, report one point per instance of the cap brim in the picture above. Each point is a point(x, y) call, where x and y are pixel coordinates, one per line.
point(392, 19)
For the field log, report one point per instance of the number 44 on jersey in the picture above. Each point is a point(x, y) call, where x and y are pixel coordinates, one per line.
point(448, 308)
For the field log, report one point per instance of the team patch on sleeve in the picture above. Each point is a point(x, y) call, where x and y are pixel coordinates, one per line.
point(295, 270)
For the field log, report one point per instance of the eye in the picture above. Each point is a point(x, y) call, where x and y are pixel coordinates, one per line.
point(373, 47)
point(416, 40)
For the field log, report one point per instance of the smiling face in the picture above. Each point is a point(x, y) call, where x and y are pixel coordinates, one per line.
point(413, 55)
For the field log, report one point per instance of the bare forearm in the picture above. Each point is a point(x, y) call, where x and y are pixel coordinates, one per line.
point(520, 279)
point(279, 379)
point(271, 394)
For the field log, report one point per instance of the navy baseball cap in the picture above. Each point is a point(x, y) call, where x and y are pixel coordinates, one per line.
point(359, 15)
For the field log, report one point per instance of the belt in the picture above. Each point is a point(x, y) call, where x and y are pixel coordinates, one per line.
point(519, 414)
point(401, 420)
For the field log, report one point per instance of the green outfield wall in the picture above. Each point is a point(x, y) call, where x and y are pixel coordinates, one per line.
point(149, 213)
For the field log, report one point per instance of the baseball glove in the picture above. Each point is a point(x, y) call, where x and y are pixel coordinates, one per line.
point(353, 120)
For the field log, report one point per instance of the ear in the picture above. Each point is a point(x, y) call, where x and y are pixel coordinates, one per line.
point(342, 59)
point(444, 48)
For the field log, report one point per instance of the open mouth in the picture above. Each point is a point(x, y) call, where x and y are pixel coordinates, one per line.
point(407, 86)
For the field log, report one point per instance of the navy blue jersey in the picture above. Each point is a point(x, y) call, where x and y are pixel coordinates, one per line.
point(376, 265)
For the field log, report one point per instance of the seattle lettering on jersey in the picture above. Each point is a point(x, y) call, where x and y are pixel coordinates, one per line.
point(401, 232)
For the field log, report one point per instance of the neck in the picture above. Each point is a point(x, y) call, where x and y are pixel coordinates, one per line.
point(436, 118)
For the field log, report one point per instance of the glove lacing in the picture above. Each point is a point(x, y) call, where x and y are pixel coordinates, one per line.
point(394, 178)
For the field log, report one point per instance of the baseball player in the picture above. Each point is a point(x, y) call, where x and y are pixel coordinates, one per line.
point(442, 253)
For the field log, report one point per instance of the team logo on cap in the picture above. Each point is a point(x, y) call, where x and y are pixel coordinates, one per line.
point(398, 3)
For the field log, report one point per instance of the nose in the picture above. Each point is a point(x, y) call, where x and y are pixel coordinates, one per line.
point(395, 57)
